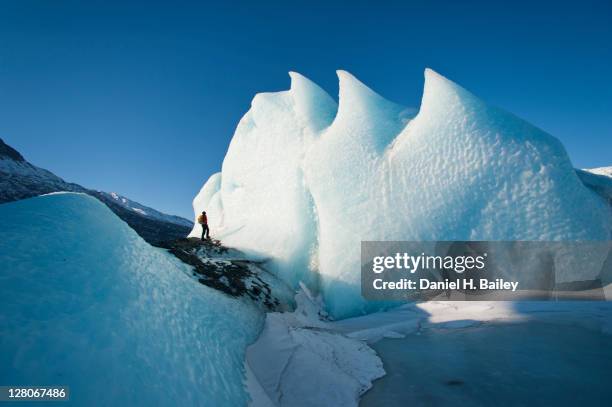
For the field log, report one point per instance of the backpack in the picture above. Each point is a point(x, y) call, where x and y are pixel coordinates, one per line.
point(202, 219)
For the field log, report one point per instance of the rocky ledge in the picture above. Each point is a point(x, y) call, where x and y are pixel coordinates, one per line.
point(228, 271)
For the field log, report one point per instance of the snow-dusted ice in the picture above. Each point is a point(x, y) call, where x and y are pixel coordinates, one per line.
point(87, 303)
point(301, 360)
point(304, 181)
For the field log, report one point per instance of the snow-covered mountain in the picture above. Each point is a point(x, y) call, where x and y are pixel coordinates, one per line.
point(607, 171)
point(19, 180)
point(306, 180)
point(145, 210)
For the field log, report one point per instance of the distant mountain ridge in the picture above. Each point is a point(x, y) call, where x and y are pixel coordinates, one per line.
point(7, 151)
point(143, 210)
point(20, 180)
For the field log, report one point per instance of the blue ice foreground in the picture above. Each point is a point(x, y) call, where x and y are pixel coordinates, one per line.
point(88, 304)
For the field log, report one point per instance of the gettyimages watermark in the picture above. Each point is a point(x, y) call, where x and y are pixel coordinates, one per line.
point(462, 270)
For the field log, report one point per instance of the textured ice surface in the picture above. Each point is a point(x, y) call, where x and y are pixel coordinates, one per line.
point(87, 303)
point(303, 182)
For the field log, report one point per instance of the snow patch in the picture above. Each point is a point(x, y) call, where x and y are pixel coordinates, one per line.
point(299, 359)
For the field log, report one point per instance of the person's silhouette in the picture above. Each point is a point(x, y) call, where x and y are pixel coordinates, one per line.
point(203, 220)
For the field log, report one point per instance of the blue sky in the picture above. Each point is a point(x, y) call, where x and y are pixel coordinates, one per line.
point(142, 98)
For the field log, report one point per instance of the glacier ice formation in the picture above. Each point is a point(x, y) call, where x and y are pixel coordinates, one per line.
point(305, 180)
point(97, 308)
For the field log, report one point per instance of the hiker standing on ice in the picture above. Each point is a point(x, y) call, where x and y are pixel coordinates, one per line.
point(203, 220)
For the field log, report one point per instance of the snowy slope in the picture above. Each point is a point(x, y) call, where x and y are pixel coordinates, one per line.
point(304, 181)
point(116, 319)
point(19, 180)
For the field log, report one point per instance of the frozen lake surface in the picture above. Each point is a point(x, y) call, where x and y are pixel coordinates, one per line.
point(529, 363)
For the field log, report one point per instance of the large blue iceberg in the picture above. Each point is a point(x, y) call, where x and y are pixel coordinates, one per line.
point(305, 180)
